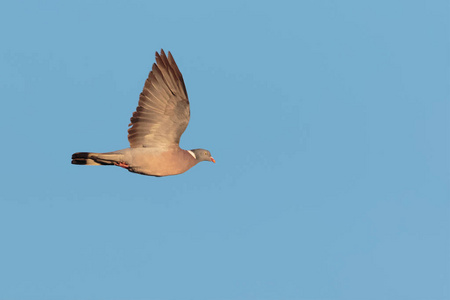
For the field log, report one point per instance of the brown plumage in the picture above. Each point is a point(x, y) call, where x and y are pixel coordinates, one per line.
point(160, 119)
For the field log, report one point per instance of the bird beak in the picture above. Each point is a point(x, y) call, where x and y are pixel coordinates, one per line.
point(213, 160)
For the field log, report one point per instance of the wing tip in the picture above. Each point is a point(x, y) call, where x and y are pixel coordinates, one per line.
point(161, 54)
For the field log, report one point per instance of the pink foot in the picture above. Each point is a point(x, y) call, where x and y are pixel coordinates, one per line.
point(122, 164)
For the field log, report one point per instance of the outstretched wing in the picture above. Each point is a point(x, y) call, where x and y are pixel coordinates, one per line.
point(163, 111)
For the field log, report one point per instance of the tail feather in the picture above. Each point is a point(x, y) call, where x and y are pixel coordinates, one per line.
point(95, 159)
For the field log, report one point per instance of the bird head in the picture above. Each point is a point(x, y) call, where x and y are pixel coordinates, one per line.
point(203, 155)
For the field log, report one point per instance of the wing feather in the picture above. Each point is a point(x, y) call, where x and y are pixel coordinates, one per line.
point(163, 111)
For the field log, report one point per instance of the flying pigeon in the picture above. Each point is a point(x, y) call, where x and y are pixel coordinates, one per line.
point(160, 119)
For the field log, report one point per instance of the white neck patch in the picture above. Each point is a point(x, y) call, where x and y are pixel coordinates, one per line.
point(192, 153)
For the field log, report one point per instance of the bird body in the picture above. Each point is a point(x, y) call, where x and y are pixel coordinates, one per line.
point(141, 160)
point(157, 124)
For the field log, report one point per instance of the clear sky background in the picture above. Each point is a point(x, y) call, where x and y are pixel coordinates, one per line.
point(329, 121)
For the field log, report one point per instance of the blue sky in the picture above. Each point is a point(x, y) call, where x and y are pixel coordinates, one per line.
point(329, 121)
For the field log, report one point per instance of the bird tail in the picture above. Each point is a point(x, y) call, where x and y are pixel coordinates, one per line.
point(96, 159)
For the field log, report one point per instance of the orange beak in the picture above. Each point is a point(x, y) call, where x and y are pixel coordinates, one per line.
point(213, 160)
